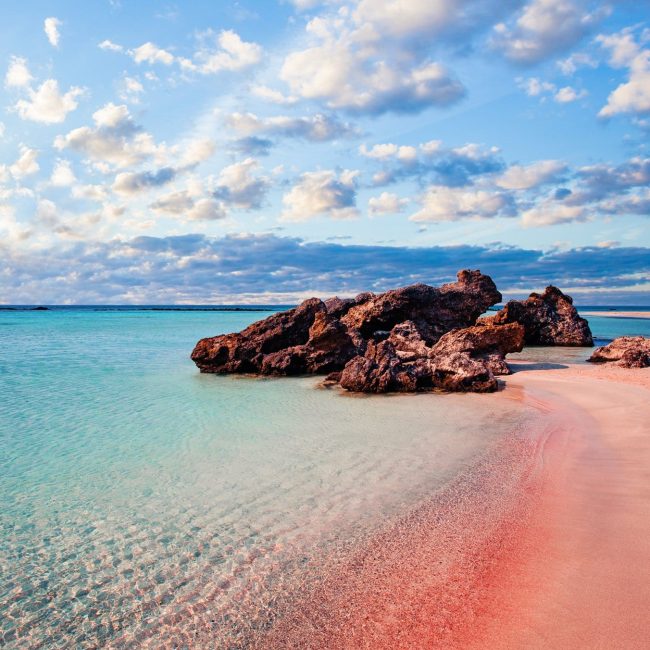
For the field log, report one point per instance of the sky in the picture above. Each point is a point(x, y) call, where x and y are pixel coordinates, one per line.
point(266, 151)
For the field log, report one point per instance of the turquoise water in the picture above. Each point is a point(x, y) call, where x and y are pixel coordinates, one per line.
point(144, 504)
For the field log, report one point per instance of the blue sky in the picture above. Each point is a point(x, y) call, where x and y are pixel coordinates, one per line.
point(268, 151)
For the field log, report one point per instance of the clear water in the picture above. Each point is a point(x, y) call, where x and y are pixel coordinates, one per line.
point(142, 503)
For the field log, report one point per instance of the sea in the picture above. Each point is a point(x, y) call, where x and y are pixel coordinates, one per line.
point(143, 504)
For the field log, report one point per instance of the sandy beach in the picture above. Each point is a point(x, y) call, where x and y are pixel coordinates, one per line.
point(583, 578)
point(617, 314)
point(544, 544)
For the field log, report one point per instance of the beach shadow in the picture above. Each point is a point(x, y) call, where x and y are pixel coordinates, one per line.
point(537, 365)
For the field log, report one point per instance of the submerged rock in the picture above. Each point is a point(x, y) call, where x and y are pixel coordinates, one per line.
point(548, 319)
point(625, 351)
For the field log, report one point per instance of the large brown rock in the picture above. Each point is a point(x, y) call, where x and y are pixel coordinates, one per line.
point(625, 351)
point(548, 318)
point(321, 337)
point(436, 310)
point(469, 359)
point(464, 359)
point(300, 340)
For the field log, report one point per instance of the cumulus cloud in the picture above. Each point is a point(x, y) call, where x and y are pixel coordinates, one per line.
point(316, 128)
point(18, 74)
point(110, 46)
point(47, 104)
point(238, 186)
point(322, 193)
point(386, 203)
point(131, 89)
point(633, 96)
point(150, 53)
point(115, 140)
point(51, 27)
point(546, 27)
point(225, 51)
point(27, 163)
point(129, 183)
point(442, 203)
point(273, 96)
point(62, 174)
point(552, 212)
point(431, 161)
point(524, 177)
point(568, 94)
point(359, 64)
point(184, 204)
point(575, 61)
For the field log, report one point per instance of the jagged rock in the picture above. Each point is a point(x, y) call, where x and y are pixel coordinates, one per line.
point(625, 351)
point(278, 344)
point(321, 337)
point(548, 318)
point(468, 359)
point(436, 310)
point(462, 360)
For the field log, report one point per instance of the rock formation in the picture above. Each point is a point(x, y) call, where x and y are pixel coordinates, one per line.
point(320, 337)
point(414, 338)
point(548, 318)
point(625, 351)
point(465, 359)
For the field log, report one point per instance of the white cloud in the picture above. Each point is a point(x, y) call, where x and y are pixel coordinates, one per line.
point(207, 210)
point(535, 87)
point(150, 53)
point(47, 104)
point(273, 96)
point(322, 193)
point(577, 60)
point(367, 65)
point(632, 96)
point(196, 151)
point(569, 94)
point(316, 128)
point(27, 163)
point(442, 203)
point(184, 204)
point(62, 174)
point(51, 26)
point(403, 153)
point(232, 54)
point(2, 130)
point(386, 203)
point(237, 185)
point(174, 203)
point(544, 28)
point(551, 212)
point(518, 177)
point(18, 74)
point(110, 46)
point(90, 192)
point(115, 140)
point(131, 89)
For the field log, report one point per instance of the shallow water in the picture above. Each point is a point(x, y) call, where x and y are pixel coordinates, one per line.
point(144, 503)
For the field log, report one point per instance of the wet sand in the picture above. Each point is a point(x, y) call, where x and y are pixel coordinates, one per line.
point(545, 543)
